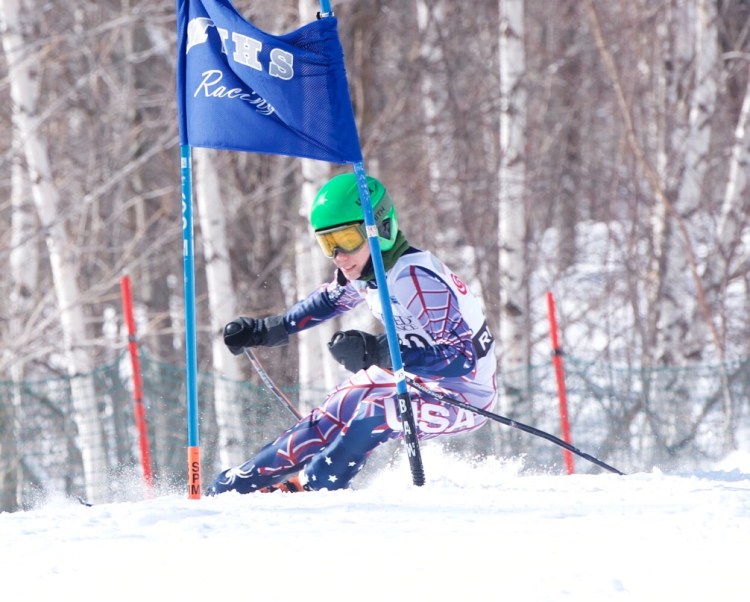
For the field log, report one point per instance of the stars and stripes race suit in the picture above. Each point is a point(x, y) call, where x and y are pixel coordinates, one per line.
point(445, 345)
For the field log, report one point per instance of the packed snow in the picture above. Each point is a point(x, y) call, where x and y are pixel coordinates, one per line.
point(484, 530)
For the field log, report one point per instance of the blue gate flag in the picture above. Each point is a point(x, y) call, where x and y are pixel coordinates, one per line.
point(239, 88)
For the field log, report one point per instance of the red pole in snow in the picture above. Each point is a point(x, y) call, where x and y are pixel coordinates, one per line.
point(557, 362)
point(140, 411)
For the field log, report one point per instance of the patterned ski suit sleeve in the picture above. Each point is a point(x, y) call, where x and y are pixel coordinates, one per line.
point(326, 302)
point(435, 306)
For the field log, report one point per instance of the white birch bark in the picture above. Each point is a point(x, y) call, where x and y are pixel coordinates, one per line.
point(429, 14)
point(23, 281)
point(23, 263)
point(24, 256)
point(62, 254)
point(681, 337)
point(514, 338)
point(655, 136)
point(222, 304)
point(728, 232)
point(317, 371)
point(736, 193)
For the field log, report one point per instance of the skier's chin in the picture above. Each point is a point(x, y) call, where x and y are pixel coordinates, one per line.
point(352, 273)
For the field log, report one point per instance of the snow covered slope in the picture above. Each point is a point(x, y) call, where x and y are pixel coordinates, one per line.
point(473, 532)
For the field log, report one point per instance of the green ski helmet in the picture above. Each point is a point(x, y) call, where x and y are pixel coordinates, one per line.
point(337, 203)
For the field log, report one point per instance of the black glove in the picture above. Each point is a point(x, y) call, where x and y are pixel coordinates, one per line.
point(252, 332)
point(357, 350)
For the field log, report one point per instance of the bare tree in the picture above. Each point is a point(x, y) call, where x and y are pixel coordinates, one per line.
point(514, 324)
point(24, 258)
point(680, 337)
point(317, 373)
point(62, 255)
point(222, 304)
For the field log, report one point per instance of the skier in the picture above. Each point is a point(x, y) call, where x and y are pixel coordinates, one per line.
point(443, 338)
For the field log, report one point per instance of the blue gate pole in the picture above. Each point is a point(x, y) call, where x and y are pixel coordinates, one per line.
point(191, 363)
point(405, 409)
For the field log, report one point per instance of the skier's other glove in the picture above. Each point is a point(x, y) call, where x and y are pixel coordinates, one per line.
point(252, 332)
point(357, 350)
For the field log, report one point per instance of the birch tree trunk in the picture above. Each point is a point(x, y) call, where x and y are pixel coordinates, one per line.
point(11, 472)
point(24, 258)
point(222, 304)
point(514, 303)
point(736, 193)
point(429, 17)
point(680, 337)
point(317, 372)
point(25, 96)
point(728, 234)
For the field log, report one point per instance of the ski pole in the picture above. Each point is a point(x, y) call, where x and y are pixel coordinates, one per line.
point(271, 385)
point(445, 399)
point(509, 422)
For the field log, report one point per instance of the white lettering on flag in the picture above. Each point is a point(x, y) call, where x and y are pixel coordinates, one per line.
point(197, 31)
point(210, 87)
point(246, 49)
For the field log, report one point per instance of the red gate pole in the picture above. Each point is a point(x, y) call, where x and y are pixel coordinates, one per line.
point(140, 411)
point(557, 362)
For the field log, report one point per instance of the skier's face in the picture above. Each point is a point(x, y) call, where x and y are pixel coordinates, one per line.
point(352, 264)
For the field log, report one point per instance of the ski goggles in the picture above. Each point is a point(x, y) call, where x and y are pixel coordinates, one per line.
point(347, 238)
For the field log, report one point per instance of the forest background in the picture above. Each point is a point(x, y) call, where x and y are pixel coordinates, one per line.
point(593, 148)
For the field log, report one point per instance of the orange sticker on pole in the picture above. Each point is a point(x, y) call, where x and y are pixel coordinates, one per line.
point(194, 473)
